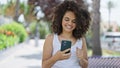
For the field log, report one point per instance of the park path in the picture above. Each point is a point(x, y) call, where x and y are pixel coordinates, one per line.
point(24, 55)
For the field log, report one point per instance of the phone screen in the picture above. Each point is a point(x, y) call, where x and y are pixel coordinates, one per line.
point(65, 44)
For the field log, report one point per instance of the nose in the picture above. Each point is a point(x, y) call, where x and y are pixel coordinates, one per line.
point(70, 22)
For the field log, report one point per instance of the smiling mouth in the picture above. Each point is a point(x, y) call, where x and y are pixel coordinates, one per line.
point(69, 27)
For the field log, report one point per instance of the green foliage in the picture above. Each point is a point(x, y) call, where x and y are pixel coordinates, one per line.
point(43, 29)
point(7, 41)
point(32, 28)
point(25, 8)
point(17, 29)
point(119, 28)
point(4, 8)
point(11, 34)
point(88, 37)
point(109, 29)
point(106, 52)
point(2, 41)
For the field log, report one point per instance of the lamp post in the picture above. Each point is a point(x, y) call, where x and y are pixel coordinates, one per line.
point(39, 15)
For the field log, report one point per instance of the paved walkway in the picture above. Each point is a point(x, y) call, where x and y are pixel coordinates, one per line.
point(25, 55)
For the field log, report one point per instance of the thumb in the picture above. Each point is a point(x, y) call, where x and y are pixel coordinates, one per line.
point(78, 50)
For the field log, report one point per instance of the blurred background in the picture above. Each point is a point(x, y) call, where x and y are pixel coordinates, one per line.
point(26, 23)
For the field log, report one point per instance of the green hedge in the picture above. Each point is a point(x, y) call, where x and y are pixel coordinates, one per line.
point(11, 34)
point(16, 28)
point(7, 41)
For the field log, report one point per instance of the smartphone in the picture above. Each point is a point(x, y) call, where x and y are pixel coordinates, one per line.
point(65, 44)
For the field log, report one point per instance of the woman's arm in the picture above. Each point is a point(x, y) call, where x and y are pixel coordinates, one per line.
point(82, 54)
point(47, 59)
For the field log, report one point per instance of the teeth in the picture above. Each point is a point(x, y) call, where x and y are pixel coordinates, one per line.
point(69, 27)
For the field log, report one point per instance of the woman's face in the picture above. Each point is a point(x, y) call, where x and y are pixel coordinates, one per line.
point(68, 21)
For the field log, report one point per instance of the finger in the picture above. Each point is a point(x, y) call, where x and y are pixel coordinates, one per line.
point(66, 50)
point(66, 55)
point(79, 50)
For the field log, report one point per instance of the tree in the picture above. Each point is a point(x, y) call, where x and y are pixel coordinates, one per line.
point(48, 6)
point(9, 9)
point(17, 7)
point(96, 27)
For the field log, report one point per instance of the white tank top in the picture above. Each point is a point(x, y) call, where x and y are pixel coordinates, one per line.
point(73, 61)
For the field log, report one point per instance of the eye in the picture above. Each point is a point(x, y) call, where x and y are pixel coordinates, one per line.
point(73, 21)
point(66, 19)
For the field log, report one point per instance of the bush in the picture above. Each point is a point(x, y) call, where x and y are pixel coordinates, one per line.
point(7, 40)
point(11, 34)
point(17, 29)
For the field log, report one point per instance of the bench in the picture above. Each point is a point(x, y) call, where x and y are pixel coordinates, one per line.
point(104, 62)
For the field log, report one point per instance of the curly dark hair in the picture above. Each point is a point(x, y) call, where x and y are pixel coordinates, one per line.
point(82, 18)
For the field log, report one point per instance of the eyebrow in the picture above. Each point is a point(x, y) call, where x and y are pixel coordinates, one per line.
point(69, 18)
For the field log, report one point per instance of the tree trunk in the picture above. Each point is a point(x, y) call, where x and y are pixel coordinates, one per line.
point(17, 7)
point(96, 28)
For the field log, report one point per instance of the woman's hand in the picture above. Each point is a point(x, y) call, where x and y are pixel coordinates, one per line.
point(61, 55)
point(79, 53)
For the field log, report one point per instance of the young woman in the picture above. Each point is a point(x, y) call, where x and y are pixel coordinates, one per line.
point(71, 22)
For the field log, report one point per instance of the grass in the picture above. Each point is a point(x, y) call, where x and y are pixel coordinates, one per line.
point(110, 53)
point(106, 52)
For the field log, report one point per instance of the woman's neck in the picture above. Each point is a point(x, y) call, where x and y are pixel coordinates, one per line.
point(66, 35)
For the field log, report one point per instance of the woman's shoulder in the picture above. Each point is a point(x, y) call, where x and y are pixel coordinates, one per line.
point(50, 36)
point(48, 40)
